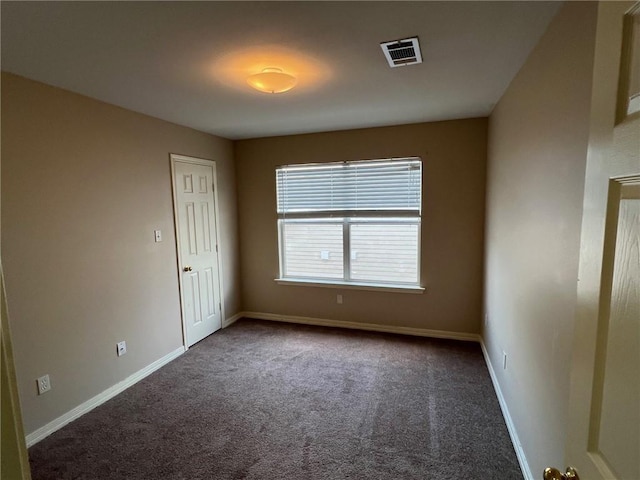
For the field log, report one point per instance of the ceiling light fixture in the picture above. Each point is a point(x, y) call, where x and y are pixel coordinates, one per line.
point(272, 80)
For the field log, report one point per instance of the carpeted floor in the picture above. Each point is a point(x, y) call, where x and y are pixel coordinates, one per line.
point(265, 400)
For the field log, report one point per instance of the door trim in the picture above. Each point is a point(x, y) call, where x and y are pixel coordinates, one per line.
point(612, 216)
point(174, 158)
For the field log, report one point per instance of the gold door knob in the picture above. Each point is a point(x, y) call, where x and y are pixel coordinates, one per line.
point(551, 473)
point(187, 268)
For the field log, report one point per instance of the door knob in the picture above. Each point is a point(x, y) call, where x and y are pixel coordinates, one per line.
point(187, 268)
point(551, 473)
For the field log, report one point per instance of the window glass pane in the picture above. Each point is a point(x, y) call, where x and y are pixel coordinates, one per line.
point(313, 250)
point(384, 252)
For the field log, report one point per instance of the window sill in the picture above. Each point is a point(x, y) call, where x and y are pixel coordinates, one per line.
point(374, 287)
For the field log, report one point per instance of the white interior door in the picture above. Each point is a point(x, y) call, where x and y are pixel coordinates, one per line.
point(603, 440)
point(195, 217)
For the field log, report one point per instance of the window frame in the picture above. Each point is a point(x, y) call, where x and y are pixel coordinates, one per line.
point(347, 218)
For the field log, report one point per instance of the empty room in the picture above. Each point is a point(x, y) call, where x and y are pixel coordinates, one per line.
point(320, 240)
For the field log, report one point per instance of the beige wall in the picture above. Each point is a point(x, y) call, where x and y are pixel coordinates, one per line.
point(454, 155)
point(84, 185)
point(538, 137)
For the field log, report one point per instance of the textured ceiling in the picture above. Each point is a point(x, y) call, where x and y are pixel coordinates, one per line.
point(186, 62)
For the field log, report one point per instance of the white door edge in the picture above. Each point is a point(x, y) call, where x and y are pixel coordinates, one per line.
point(174, 158)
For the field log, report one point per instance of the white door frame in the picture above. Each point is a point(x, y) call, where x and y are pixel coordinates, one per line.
point(174, 157)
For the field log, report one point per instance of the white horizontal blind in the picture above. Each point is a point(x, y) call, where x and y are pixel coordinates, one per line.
point(385, 253)
point(353, 222)
point(313, 249)
point(355, 187)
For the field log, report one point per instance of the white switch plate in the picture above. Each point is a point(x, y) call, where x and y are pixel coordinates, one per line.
point(44, 384)
point(121, 348)
point(158, 235)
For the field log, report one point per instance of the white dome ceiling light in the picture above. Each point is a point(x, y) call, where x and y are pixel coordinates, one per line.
point(272, 80)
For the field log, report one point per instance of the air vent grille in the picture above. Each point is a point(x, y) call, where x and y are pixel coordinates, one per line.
point(400, 53)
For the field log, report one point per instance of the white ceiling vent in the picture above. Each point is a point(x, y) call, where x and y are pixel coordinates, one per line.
point(400, 53)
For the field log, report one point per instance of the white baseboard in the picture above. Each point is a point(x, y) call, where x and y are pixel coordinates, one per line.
point(99, 399)
point(231, 320)
point(522, 458)
point(323, 322)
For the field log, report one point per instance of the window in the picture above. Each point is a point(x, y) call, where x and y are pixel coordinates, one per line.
point(351, 222)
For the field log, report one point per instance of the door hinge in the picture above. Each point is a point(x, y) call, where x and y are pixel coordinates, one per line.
point(220, 306)
point(216, 248)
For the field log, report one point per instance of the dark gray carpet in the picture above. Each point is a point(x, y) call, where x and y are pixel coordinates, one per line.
point(264, 400)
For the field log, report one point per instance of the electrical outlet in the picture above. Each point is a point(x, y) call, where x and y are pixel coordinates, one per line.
point(339, 299)
point(44, 384)
point(158, 235)
point(504, 360)
point(121, 348)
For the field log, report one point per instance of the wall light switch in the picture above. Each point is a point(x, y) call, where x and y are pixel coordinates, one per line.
point(158, 235)
point(121, 348)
